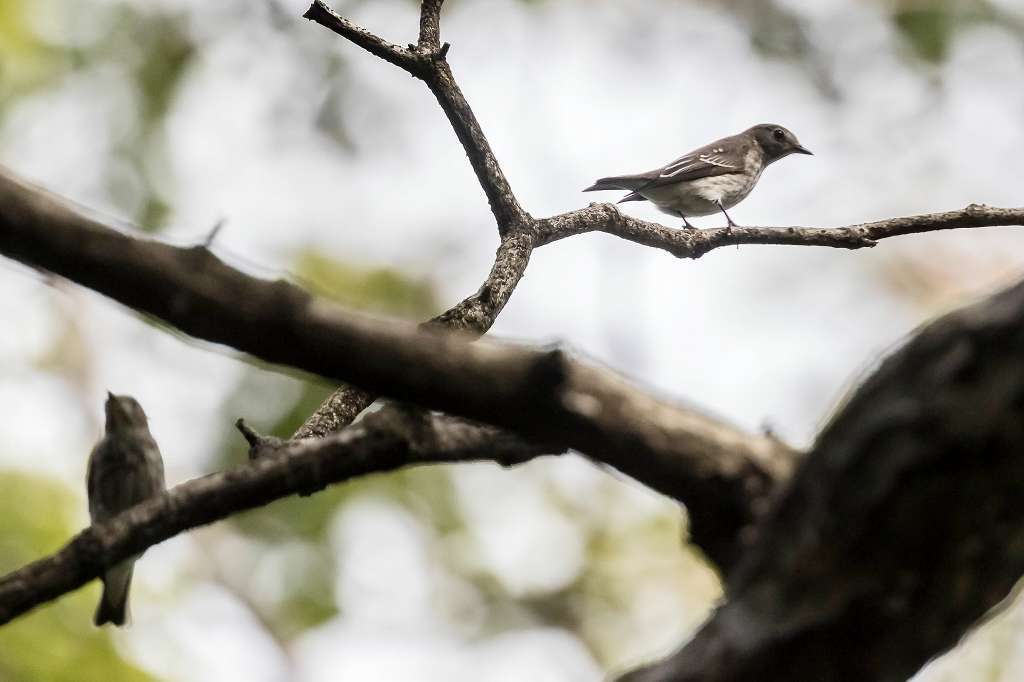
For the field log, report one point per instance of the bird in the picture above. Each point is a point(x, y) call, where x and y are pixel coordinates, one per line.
point(125, 468)
point(710, 179)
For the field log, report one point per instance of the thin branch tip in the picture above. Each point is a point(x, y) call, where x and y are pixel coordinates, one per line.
point(214, 233)
point(253, 437)
point(317, 8)
point(552, 368)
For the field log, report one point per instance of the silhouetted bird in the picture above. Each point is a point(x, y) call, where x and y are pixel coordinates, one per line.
point(125, 468)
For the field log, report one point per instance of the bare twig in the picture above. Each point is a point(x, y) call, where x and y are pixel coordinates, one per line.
point(410, 60)
point(428, 62)
point(695, 243)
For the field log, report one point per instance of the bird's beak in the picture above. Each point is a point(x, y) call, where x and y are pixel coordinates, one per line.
point(800, 149)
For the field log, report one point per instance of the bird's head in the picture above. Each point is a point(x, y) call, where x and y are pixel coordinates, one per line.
point(776, 141)
point(124, 412)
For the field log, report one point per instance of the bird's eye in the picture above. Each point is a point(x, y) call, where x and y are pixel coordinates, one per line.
point(778, 134)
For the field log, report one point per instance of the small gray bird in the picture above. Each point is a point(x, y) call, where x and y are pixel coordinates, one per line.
point(710, 179)
point(125, 468)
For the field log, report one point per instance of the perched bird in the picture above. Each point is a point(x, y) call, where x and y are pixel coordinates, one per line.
point(125, 468)
point(713, 178)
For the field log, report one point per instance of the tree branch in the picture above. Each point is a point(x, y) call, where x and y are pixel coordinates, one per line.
point(428, 62)
point(695, 243)
point(901, 528)
point(379, 443)
point(430, 24)
point(473, 316)
point(415, 62)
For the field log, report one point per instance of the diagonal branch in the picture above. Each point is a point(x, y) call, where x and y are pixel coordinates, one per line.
point(504, 205)
point(477, 313)
point(901, 528)
point(473, 316)
point(545, 396)
point(413, 61)
point(381, 442)
point(428, 63)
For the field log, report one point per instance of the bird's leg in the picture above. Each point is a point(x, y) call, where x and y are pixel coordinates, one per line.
point(686, 223)
point(731, 223)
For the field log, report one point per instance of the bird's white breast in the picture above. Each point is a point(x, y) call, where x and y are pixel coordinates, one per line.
point(733, 188)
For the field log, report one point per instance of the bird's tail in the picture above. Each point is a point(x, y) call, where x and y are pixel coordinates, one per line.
point(630, 182)
point(113, 606)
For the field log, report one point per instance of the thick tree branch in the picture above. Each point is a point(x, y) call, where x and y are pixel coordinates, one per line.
point(381, 442)
point(545, 396)
point(901, 528)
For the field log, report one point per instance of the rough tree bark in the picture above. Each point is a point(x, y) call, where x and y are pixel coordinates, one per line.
point(895, 533)
point(903, 526)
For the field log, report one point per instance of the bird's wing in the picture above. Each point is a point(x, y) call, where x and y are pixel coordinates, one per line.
point(718, 158)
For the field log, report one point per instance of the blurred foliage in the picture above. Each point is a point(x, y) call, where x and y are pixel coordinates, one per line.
point(26, 61)
point(928, 29)
point(378, 290)
point(57, 642)
point(167, 53)
point(929, 26)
